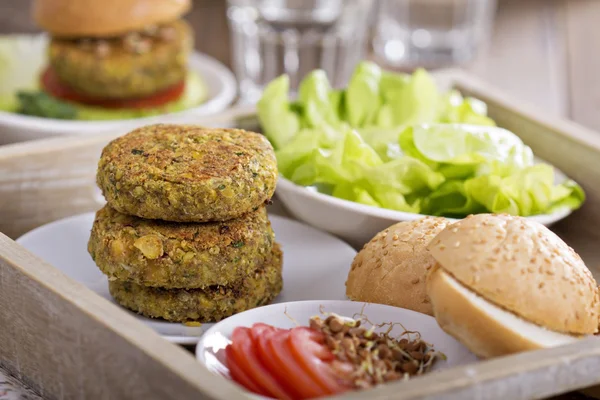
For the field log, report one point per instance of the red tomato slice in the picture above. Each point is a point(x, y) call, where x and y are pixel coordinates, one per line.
point(238, 375)
point(259, 329)
point(307, 347)
point(280, 361)
point(52, 84)
point(245, 354)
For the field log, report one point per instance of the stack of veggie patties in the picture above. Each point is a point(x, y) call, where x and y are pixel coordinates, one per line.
point(185, 234)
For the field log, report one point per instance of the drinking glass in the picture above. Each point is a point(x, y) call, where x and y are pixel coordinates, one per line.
point(431, 33)
point(294, 37)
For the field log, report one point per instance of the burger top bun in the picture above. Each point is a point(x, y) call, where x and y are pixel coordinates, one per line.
point(95, 18)
point(484, 328)
point(523, 267)
point(391, 268)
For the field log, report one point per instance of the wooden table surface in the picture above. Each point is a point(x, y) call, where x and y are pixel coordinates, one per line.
point(543, 51)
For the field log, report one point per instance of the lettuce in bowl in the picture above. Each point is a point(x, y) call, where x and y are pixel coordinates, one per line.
point(395, 141)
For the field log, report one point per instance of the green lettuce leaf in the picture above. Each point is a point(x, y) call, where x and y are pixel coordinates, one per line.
point(362, 95)
point(22, 58)
point(451, 199)
point(315, 101)
point(383, 140)
point(458, 110)
point(411, 100)
point(279, 122)
point(392, 182)
point(351, 192)
point(344, 161)
point(489, 149)
point(530, 191)
point(405, 175)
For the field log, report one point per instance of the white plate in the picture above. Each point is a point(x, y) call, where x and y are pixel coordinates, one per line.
point(357, 223)
point(222, 88)
point(315, 264)
point(210, 348)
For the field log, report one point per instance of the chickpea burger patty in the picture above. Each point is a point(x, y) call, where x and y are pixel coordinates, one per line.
point(187, 173)
point(205, 305)
point(133, 65)
point(175, 255)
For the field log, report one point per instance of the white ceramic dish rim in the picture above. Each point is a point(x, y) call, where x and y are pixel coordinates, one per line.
point(364, 209)
point(224, 327)
point(198, 61)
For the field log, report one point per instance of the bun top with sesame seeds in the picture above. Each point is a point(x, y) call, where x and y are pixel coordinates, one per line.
point(523, 267)
point(392, 267)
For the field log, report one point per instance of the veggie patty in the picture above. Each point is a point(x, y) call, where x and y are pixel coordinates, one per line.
point(175, 255)
point(135, 65)
point(208, 305)
point(187, 173)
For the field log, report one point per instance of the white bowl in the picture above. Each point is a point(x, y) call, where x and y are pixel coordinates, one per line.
point(222, 90)
point(210, 349)
point(354, 222)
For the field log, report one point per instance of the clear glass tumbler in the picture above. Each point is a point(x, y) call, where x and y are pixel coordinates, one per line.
point(273, 37)
point(431, 33)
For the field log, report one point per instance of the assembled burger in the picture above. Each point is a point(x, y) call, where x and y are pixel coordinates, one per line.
point(116, 59)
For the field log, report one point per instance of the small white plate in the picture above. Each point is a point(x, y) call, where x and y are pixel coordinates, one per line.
point(209, 350)
point(221, 83)
point(357, 223)
point(315, 264)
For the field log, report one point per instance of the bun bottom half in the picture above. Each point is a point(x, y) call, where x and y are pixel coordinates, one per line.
point(484, 328)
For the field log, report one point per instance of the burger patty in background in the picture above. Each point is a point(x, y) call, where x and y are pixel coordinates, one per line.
point(133, 65)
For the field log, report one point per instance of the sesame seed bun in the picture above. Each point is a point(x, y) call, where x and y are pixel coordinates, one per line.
point(523, 267)
point(484, 328)
point(93, 18)
point(392, 267)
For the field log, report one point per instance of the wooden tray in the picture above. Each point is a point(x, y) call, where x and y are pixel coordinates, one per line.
point(66, 342)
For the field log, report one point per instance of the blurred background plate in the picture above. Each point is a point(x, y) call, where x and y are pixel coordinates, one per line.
point(220, 82)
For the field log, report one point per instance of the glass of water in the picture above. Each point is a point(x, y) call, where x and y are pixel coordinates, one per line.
point(431, 33)
point(273, 37)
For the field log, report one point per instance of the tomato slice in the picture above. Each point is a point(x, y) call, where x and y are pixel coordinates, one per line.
point(259, 329)
point(275, 349)
point(245, 354)
point(52, 84)
point(238, 375)
point(307, 346)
